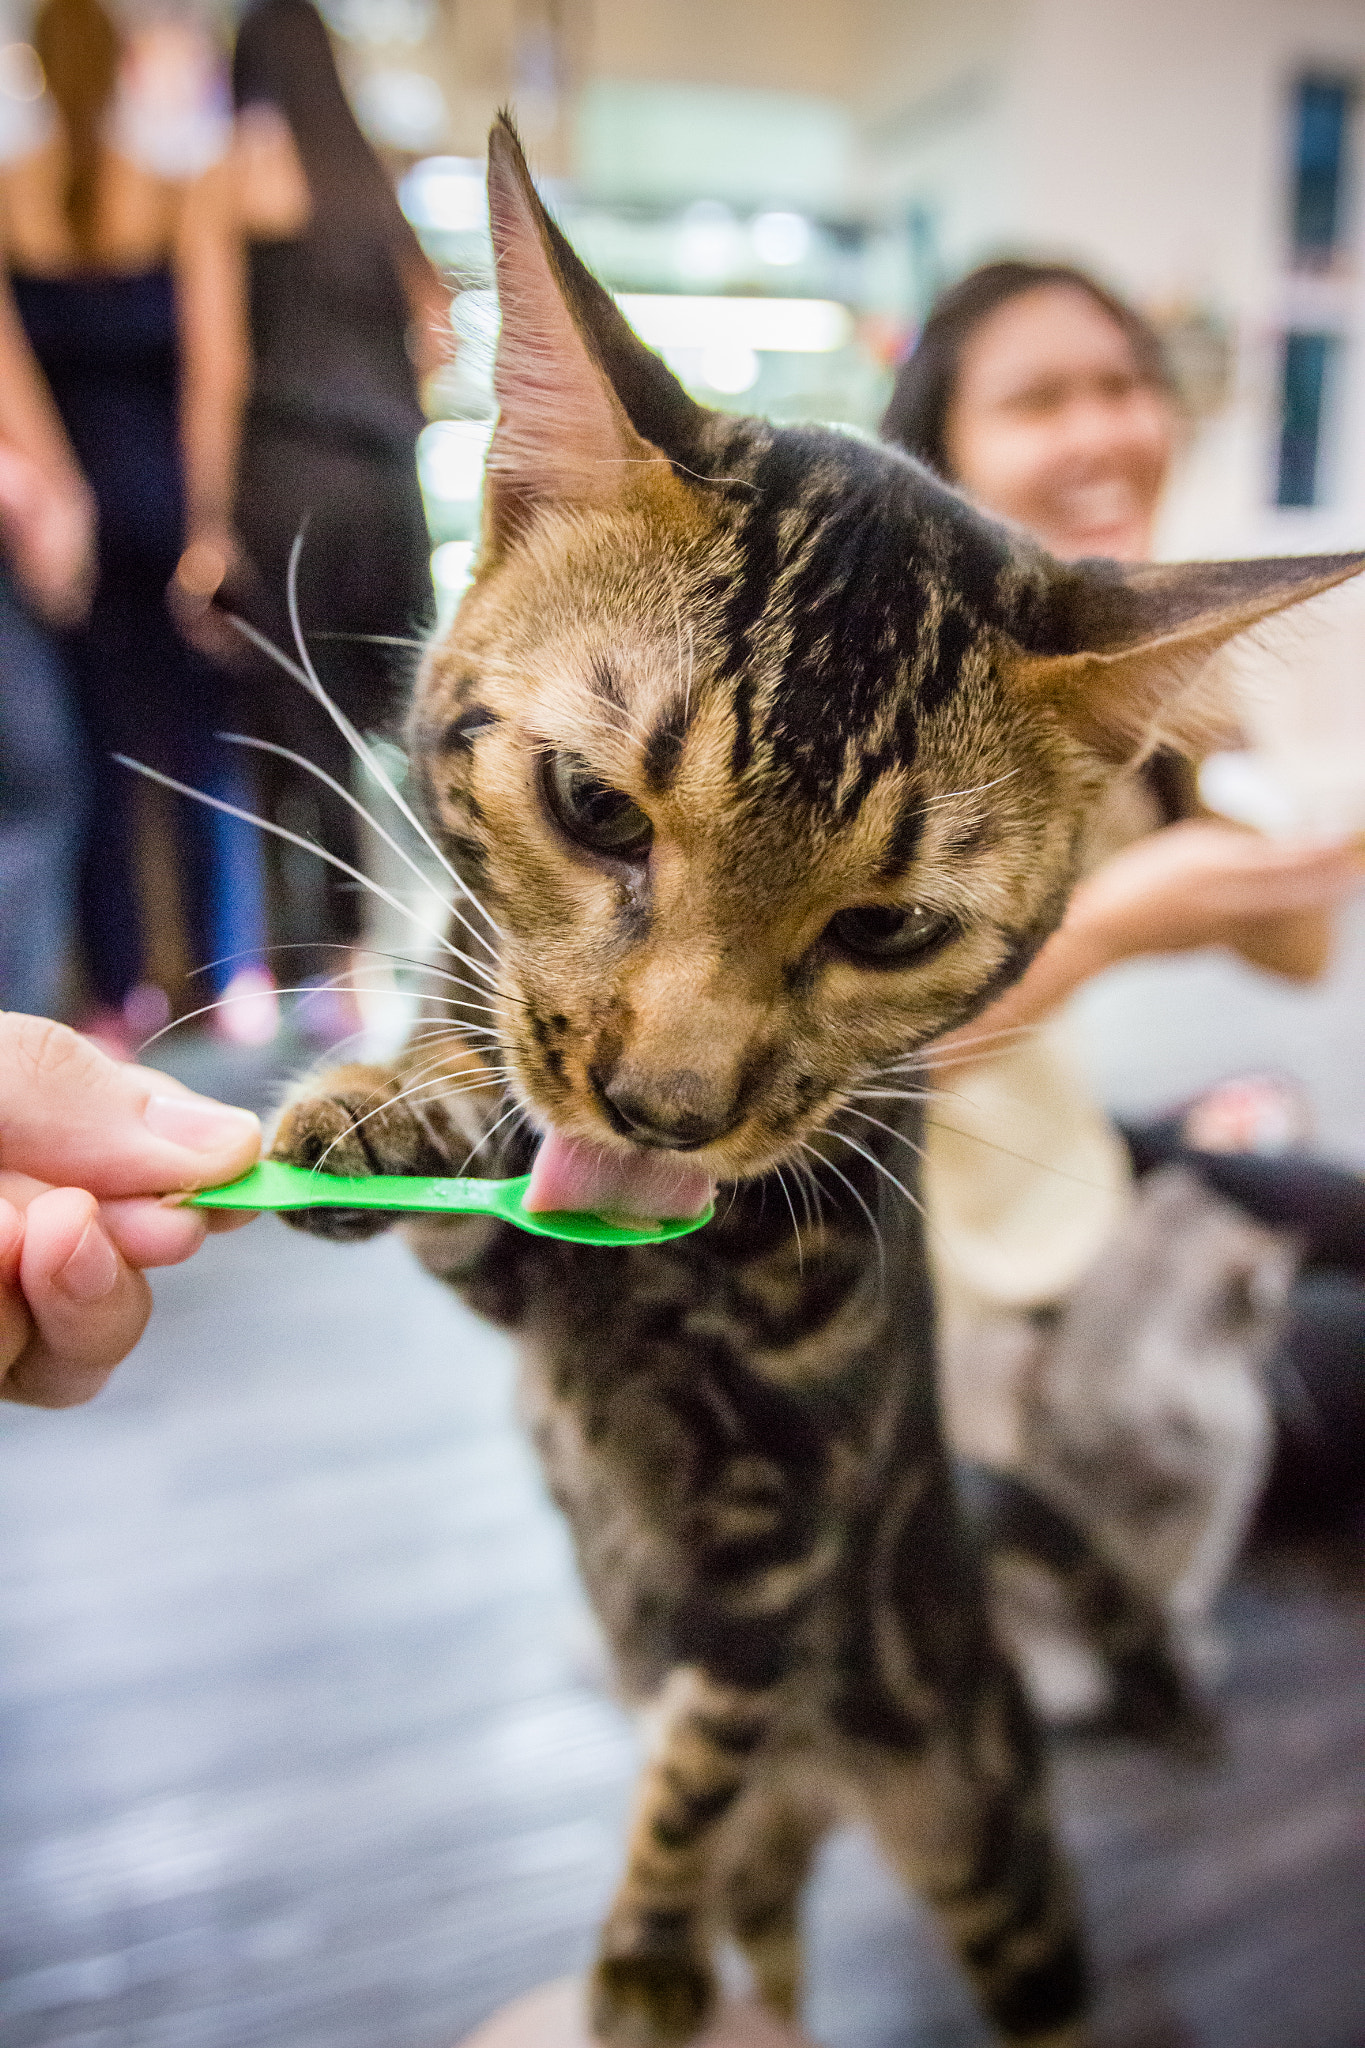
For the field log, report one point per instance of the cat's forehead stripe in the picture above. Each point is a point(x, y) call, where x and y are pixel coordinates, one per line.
point(663, 750)
point(853, 609)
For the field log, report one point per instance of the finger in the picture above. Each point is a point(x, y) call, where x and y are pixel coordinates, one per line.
point(1298, 856)
point(19, 1189)
point(16, 1325)
point(72, 1116)
point(219, 1221)
point(88, 1306)
point(151, 1233)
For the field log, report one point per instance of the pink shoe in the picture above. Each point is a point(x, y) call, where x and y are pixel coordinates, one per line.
point(1263, 1113)
point(248, 1011)
point(328, 1013)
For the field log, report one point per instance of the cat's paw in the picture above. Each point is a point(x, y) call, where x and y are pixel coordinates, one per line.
point(655, 1999)
point(353, 1120)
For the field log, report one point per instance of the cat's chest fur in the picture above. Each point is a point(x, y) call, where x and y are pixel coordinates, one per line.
point(714, 1417)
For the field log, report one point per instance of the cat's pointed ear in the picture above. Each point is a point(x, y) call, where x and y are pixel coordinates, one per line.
point(582, 403)
point(1122, 652)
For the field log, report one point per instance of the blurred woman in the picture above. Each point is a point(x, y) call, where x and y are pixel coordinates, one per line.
point(346, 315)
point(1044, 399)
point(46, 565)
point(126, 370)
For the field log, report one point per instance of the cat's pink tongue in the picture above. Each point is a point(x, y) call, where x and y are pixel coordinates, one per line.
point(569, 1174)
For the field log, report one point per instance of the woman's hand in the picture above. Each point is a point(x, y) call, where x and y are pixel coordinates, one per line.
point(1207, 884)
point(210, 557)
point(48, 523)
point(1197, 884)
point(87, 1150)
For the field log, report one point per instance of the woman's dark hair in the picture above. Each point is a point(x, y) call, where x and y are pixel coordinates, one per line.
point(78, 48)
point(926, 383)
point(283, 55)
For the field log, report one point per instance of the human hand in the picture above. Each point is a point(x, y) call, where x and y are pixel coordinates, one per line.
point(49, 531)
point(1204, 884)
point(87, 1149)
point(210, 558)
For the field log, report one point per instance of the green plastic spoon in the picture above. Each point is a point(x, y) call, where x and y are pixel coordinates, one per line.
point(273, 1185)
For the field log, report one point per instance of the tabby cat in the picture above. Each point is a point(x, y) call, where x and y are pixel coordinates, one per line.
point(769, 761)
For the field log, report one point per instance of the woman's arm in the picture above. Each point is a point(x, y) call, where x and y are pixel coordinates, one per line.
point(47, 512)
point(1191, 885)
point(215, 366)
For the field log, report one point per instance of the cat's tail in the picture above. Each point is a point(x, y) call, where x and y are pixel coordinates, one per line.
point(1152, 1695)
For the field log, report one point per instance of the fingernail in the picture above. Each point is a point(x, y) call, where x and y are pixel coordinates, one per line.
point(197, 1123)
point(92, 1270)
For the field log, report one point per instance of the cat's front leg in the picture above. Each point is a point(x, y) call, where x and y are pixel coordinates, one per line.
point(425, 1113)
point(653, 1984)
point(965, 1817)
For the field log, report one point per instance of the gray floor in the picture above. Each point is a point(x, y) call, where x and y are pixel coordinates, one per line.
point(300, 1739)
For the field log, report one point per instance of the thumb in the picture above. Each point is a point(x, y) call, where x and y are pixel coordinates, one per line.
point(72, 1116)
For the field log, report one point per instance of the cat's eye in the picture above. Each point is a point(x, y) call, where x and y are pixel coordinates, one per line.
point(886, 933)
point(594, 814)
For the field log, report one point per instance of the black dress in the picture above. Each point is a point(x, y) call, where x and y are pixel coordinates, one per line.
point(107, 344)
point(329, 449)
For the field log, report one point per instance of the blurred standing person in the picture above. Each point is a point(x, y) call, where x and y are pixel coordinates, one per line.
point(129, 366)
point(47, 562)
point(346, 315)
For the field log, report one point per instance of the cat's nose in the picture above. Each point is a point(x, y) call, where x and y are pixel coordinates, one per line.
point(682, 1110)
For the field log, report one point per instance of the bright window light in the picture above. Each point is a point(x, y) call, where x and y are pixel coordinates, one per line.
point(406, 109)
point(450, 459)
point(782, 326)
point(452, 565)
point(780, 237)
point(710, 245)
point(730, 368)
point(446, 193)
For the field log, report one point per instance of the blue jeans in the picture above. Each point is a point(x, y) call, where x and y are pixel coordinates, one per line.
point(42, 801)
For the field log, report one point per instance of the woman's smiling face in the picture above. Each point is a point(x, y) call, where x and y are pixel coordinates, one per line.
point(1054, 426)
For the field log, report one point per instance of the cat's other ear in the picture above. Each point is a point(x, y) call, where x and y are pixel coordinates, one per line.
point(1122, 652)
point(582, 403)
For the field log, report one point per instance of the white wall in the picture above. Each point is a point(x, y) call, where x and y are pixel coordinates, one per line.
point(1154, 141)
point(1150, 141)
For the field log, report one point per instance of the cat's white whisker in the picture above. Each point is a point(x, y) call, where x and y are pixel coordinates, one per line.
point(810, 1191)
point(307, 677)
point(218, 803)
point(873, 1160)
point(240, 739)
point(374, 639)
point(335, 983)
point(962, 1049)
point(891, 1132)
point(365, 754)
point(896, 1094)
point(802, 1173)
point(1025, 1159)
point(791, 1210)
point(872, 1221)
point(430, 1081)
point(516, 1110)
point(947, 795)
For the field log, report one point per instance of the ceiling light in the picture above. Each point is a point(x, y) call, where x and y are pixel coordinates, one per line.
point(780, 237)
point(783, 326)
point(730, 367)
point(446, 193)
